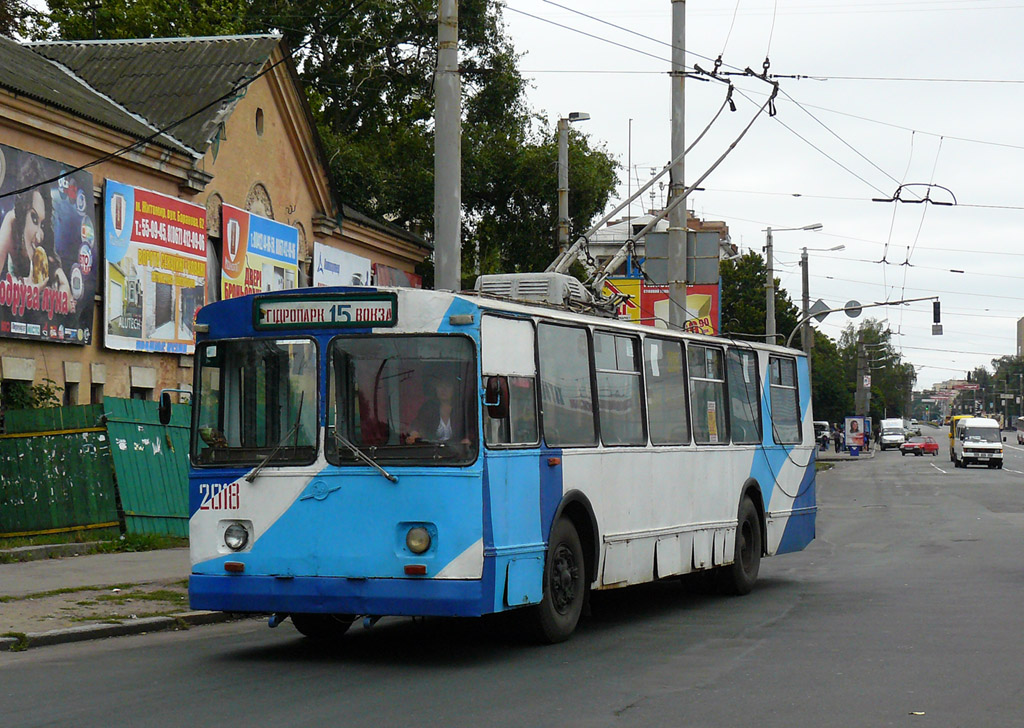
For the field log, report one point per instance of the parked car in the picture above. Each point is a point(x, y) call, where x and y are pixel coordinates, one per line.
point(920, 446)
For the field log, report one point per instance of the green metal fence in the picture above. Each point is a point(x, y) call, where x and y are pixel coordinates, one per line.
point(94, 466)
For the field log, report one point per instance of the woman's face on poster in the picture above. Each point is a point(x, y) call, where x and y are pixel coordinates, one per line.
point(32, 235)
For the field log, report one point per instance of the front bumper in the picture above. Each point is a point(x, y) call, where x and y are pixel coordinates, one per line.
point(337, 595)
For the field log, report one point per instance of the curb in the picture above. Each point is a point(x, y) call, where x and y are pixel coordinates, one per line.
point(21, 554)
point(101, 631)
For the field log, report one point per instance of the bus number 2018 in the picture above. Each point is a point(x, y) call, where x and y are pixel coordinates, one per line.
point(218, 496)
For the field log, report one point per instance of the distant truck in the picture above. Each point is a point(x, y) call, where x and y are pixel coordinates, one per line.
point(978, 441)
point(893, 433)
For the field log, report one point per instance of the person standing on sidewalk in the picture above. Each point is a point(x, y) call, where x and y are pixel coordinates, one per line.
point(836, 436)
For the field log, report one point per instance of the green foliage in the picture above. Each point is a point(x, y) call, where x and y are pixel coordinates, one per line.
point(743, 300)
point(118, 19)
point(831, 390)
point(892, 379)
point(22, 395)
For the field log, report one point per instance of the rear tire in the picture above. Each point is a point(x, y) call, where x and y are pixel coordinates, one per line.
point(565, 585)
point(739, 578)
point(323, 626)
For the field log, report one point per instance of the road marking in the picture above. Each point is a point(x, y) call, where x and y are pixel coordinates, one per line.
point(938, 468)
point(1013, 447)
point(1013, 471)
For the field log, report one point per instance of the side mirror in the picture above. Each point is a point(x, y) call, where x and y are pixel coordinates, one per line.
point(165, 408)
point(496, 398)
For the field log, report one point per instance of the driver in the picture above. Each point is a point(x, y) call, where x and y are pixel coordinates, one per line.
point(439, 420)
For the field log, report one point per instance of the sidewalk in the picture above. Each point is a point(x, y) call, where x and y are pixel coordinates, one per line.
point(56, 600)
point(831, 456)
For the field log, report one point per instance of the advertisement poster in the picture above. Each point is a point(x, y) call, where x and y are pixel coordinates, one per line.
point(156, 270)
point(260, 254)
point(385, 275)
point(855, 432)
point(333, 267)
point(49, 268)
point(649, 304)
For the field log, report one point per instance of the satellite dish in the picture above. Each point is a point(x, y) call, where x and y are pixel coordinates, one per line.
point(853, 309)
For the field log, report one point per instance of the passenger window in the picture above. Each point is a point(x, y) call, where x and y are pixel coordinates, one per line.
point(567, 399)
point(707, 395)
point(744, 396)
point(618, 390)
point(785, 400)
point(666, 392)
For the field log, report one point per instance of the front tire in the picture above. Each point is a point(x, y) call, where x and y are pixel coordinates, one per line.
point(739, 578)
point(323, 626)
point(565, 585)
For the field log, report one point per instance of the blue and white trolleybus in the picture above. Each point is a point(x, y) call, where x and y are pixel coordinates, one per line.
point(370, 452)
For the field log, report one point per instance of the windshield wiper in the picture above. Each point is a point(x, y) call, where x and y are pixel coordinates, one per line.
point(294, 429)
point(338, 437)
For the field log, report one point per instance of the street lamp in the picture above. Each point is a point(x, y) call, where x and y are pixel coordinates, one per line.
point(805, 332)
point(769, 285)
point(563, 176)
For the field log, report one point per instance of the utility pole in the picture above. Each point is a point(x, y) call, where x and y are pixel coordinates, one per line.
point(447, 151)
point(805, 333)
point(769, 290)
point(677, 279)
point(563, 177)
point(860, 406)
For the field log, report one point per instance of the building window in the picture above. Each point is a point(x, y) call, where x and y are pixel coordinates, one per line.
point(142, 393)
point(259, 122)
point(70, 394)
point(96, 395)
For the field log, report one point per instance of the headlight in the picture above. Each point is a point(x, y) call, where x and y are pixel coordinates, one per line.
point(417, 539)
point(236, 537)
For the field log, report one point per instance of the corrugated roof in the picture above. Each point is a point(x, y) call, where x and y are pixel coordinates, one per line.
point(27, 74)
point(167, 79)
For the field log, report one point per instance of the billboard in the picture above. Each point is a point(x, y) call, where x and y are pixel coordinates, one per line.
point(649, 304)
point(385, 275)
point(333, 267)
point(156, 270)
point(49, 268)
point(259, 254)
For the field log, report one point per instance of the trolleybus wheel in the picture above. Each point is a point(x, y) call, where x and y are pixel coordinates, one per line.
point(565, 585)
point(739, 577)
point(322, 626)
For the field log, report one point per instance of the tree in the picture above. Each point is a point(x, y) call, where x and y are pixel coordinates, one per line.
point(743, 299)
point(831, 390)
point(892, 380)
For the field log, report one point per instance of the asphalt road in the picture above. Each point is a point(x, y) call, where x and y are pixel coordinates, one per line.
point(906, 611)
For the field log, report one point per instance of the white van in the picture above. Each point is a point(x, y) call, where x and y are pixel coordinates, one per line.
point(978, 441)
point(893, 433)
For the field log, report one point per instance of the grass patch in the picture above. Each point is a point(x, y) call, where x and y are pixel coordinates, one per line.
point(160, 595)
point(99, 534)
point(140, 542)
point(820, 467)
point(21, 641)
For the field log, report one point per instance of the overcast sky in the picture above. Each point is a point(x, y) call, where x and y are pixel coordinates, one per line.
point(898, 92)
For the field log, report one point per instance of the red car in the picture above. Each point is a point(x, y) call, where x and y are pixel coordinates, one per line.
point(920, 446)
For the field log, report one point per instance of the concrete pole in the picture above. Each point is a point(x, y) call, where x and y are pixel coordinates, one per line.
point(677, 313)
point(805, 333)
point(769, 290)
point(447, 151)
point(563, 185)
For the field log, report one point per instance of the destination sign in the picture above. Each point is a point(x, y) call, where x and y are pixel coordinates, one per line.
point(326, 311)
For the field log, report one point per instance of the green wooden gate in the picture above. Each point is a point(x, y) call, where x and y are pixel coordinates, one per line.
point(94, 466)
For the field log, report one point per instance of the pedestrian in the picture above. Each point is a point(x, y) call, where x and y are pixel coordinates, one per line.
point(835, 437)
